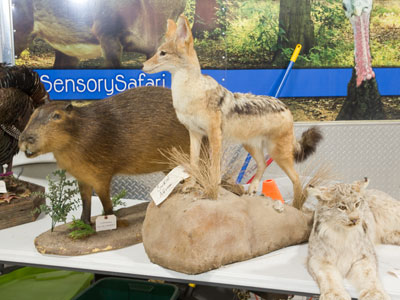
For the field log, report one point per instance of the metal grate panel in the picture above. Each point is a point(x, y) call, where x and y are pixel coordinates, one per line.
point(354, 149)
point(138, 186)
point(357, 150)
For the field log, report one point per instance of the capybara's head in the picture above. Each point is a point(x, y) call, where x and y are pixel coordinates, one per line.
point(49, 129)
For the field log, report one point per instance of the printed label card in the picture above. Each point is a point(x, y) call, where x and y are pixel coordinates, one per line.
point(108, 222)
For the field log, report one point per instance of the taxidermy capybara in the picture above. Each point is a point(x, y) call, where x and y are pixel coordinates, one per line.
point(90, 29)
point(122, 134)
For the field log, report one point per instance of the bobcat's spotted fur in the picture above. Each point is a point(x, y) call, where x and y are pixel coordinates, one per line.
point(348, 221)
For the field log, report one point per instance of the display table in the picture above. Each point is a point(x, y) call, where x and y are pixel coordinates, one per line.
point(283, 270)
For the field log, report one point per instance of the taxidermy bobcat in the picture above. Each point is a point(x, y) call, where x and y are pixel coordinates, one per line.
point(208, 109)
point(348, 221)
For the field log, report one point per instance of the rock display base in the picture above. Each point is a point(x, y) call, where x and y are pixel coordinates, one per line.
point(58, 242)
point(192, 235)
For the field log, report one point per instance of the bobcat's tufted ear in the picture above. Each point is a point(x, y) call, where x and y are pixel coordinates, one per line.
point(321, 193)
point(360, 186)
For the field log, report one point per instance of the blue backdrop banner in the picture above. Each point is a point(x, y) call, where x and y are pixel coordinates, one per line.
point(97, 84)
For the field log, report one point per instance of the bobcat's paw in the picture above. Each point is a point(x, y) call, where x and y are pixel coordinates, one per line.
point(332, 295)
point(374, 294)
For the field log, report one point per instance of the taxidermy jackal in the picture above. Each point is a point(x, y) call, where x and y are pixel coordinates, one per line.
point(208, 109)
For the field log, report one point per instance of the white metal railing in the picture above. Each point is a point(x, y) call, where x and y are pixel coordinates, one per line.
point(6, 33)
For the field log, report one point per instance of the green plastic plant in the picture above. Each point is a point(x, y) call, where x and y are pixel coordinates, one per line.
point(80, 229)
point(116, 199)
point(62, 198)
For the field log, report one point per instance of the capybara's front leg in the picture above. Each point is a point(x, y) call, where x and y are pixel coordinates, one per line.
point(86, 195)
point(103, 190)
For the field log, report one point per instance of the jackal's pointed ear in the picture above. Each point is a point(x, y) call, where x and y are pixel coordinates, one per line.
point(183, 32)
point(171, 29)
point(360, 186)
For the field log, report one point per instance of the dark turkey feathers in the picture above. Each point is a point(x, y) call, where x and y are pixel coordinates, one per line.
point(21, 91)
point(24, 79)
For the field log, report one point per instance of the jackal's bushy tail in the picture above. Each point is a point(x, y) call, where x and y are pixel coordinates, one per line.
point(307, 145)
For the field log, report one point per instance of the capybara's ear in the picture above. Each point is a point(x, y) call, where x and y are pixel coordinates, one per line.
point(69, 107)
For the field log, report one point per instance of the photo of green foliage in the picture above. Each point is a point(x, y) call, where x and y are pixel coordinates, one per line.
point(252, 29)
point(228, 35)
point(248, 34)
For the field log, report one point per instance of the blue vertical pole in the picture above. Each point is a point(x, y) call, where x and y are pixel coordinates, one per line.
point(291, 63)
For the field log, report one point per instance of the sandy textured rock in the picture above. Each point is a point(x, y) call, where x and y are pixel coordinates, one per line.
point(58, 242)
point(192, 235)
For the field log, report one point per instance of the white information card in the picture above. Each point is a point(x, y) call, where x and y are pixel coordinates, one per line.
point(108, 222)
point(167, 185)
point(3, 188)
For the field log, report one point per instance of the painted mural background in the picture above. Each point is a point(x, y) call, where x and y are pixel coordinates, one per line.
point(243, 36)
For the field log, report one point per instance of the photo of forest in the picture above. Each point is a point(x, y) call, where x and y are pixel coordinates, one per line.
point(229, 34)
point(249, 35)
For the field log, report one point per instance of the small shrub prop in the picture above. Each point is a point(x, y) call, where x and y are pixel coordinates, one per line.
point(62, 196)
point(80, 229)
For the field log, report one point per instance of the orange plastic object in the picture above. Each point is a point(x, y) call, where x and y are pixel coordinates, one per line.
point(270, 189)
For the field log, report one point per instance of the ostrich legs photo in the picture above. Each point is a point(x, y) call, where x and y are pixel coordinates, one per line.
point(363, 101)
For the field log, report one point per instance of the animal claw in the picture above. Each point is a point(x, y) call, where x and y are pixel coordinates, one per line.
point(251, 193)
point(278, 206)
point(189, 186)
point(252, 188)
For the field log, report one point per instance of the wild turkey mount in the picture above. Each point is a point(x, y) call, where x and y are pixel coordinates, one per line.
point(20, 93)
point(363, 101)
